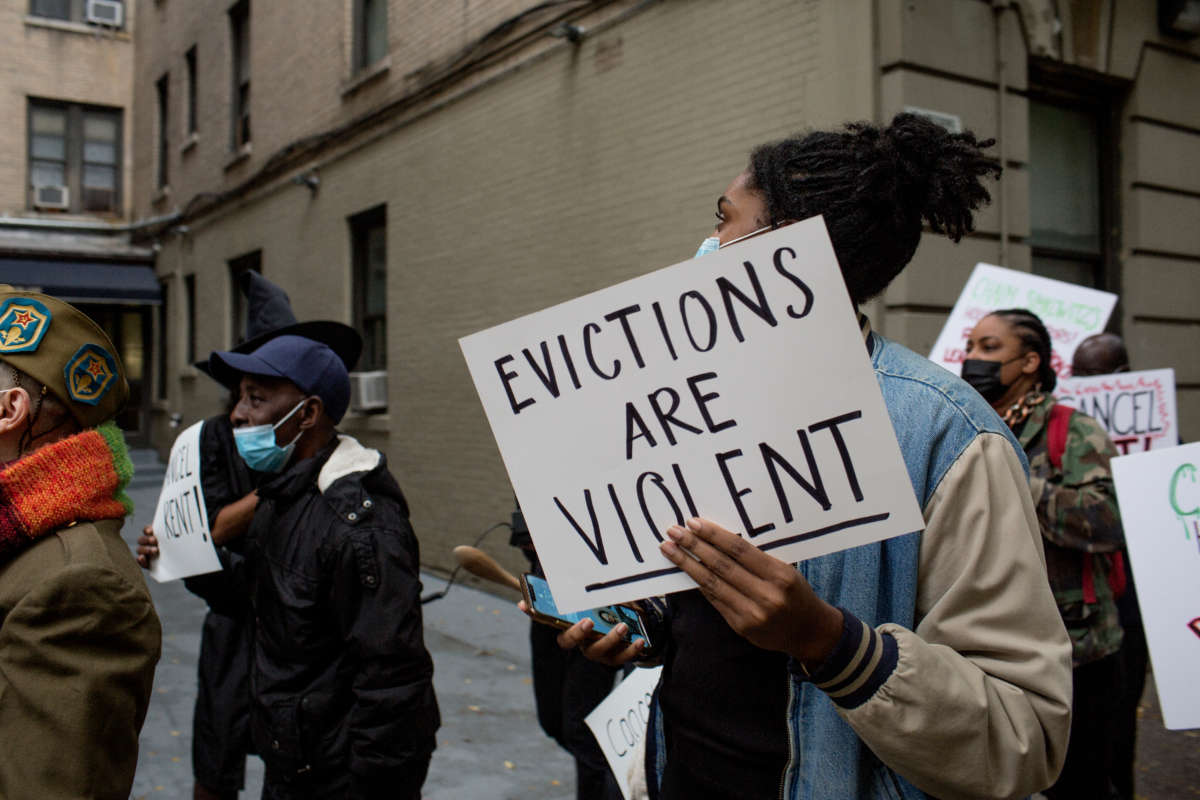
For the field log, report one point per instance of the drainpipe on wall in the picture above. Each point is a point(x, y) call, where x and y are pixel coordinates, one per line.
point(998, 9)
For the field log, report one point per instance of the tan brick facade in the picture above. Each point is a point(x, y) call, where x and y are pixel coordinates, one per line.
point(558, 168)
point(55, 60)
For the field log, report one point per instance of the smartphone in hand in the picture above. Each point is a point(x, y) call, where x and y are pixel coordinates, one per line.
point(542, 608)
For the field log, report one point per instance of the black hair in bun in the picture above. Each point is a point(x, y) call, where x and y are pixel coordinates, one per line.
point(874, 186)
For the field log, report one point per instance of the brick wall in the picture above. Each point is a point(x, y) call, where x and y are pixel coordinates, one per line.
point(301, 77)
point(55, 60)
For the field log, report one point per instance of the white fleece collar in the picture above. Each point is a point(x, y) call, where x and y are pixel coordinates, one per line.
point(348, 457)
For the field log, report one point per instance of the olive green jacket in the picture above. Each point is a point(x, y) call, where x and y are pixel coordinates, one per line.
point(1079, 519)
point(79, 639)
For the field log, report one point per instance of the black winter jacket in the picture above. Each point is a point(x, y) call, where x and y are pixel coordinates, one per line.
point(340, 680)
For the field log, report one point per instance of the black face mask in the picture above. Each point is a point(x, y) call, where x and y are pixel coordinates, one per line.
point(984, 377)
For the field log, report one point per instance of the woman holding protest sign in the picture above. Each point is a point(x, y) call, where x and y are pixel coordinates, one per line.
point(1008, 362)
point(934, 662)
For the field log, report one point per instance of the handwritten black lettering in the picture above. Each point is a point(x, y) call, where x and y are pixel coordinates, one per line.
point(506, 377)
point(760, 308)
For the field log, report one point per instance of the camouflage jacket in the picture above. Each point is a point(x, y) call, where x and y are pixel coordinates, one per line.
point(1077, 512)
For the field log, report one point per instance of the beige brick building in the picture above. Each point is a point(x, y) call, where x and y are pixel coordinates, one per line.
point(427, 169)
point(66, 199)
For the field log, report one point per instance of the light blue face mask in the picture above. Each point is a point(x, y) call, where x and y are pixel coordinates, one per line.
point(256, 445)
point(713, 243)
point(710, 245)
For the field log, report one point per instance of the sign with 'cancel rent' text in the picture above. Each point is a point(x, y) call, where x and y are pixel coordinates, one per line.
point(735, 387)
point(185, 546)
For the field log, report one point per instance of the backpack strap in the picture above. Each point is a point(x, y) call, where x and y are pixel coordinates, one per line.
point(1056, 444)
point(1056, 432)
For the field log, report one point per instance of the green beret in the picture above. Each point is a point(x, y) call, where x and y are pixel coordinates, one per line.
point(57, 344)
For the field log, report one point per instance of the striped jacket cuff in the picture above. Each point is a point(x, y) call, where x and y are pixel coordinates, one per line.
point(861, 662)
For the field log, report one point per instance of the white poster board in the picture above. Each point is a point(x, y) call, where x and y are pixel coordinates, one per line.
point(1070, 313)
point(735, 386)
point(1136, 408)
point(185, 545)
point(620, 722)
point(1159, 494)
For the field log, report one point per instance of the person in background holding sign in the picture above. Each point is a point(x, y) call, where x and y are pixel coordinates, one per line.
point(220, 724)
point(929, 663)
point(1008, 362)
point(79, 637)
point(1105, 354)
point(342, 701)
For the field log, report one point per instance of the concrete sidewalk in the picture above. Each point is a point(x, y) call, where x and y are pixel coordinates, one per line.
point(489, 746)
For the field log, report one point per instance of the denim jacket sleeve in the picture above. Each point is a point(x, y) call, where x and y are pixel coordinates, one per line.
point(979, 702)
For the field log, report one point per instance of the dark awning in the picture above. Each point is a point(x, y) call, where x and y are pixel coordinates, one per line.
point(80, 281)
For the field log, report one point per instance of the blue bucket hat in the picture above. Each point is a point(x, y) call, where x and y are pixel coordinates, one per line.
point(314, 367)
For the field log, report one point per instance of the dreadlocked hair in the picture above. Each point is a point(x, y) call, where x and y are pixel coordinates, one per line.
point(874, 186)
point(1033, 335)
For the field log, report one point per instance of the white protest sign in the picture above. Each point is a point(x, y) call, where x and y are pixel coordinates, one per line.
point(619, 723)
point(1070, 313)
point(1159, 494)
point(181, 521)
point(1136, 408)
point(735, 387)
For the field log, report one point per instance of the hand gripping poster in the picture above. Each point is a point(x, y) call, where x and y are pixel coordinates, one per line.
point(736, 387)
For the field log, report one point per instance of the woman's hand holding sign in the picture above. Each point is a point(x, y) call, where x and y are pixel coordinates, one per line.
point(762, 598)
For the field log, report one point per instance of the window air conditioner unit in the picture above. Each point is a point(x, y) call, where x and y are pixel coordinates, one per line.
point(51, 197)
point(105, 12)
point(368, 391)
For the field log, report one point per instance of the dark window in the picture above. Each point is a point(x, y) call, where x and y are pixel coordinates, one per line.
point(1064, 191)
point(370, 32)
point(1072, 179)
point(239, 27)
point(163, 87)
point(189, 60)
point(110, 13)
point(368, 233)
point(249, 261)
point(189, 288)
point(54, 9)
point(161, 360)
point(74, 156)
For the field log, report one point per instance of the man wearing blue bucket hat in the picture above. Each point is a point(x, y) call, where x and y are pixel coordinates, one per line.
point(342, 701)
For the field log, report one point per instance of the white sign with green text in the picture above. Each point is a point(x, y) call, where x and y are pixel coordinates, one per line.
point(1070, 313)
point(1159, 494)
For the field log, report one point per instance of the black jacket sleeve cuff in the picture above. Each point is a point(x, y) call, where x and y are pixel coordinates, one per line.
point(861, 662)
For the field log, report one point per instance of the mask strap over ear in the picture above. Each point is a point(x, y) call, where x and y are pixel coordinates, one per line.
point(27, 437)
